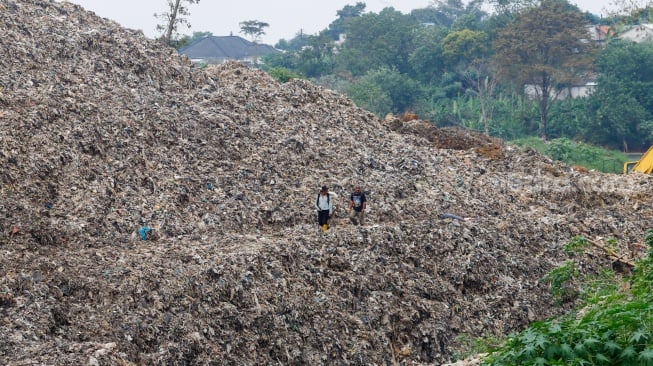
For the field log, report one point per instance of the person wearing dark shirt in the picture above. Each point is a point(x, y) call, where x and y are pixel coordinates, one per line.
point(357, 205)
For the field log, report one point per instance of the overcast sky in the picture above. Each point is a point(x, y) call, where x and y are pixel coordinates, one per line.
point(285, 17)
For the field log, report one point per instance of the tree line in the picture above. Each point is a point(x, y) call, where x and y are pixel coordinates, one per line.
point(501, 72)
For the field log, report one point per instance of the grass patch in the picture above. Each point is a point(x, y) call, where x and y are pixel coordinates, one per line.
point(577, 153)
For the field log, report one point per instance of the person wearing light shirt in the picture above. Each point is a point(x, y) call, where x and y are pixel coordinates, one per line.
point(324, 208)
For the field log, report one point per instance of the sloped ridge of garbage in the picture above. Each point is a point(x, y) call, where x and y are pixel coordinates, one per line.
point(152, 212)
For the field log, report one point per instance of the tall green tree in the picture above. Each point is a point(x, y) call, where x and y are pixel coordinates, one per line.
point(467, 53)
point(313, 60)
point(377, 40)
point(465, 46)
point(385, 90)
point(287, 60)
point(622, 104)
point(317, 57)
point(426, 61)
point(620, 120)
point(337, 27)
point(176, 15)
point(253, 29)
point(545, 49)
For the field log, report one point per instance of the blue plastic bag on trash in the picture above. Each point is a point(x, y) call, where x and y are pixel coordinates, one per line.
point(144, 231)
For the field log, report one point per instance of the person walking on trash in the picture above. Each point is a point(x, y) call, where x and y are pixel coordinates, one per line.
point(357, 205)
point(324, 208)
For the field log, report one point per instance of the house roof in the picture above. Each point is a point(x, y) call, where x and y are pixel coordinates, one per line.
point(225, 47)
point(639, 33)
point(599, 33)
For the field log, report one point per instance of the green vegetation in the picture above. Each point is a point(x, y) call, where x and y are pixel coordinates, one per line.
point(474, 346)
point(506, 72)
point(560, 281)
point(577, 153)
point(622, 106)
point(505, 68)
point(552, 51)
point(613, 327)
point(253, 29)
point(283, 74)
point(576, 246)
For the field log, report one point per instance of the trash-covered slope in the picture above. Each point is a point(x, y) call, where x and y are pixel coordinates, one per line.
point(104, 133)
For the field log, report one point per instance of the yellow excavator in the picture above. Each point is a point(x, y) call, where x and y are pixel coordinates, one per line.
point(643, 165)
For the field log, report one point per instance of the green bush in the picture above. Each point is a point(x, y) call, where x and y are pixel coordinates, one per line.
point(577, 153)
point(615, 326)
point(560, 280)
point(576, 246)
point(283, 74)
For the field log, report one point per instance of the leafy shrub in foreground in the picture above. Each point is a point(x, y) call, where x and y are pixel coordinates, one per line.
point(617, 331)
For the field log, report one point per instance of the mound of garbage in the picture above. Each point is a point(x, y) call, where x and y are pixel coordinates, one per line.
point(153, 212)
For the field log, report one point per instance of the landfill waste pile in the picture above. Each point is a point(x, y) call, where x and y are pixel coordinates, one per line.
point(153, 212)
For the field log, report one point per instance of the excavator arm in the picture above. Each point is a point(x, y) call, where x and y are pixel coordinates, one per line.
point(643, 165)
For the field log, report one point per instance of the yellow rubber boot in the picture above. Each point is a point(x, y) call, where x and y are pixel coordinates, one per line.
point(325, 227)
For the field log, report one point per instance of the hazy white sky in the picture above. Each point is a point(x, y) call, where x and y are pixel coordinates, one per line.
point(285, 17)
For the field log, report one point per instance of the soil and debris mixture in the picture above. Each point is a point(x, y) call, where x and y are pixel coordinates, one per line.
point(152, 212)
